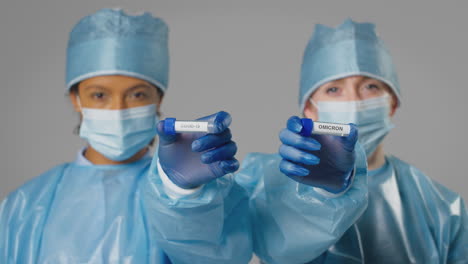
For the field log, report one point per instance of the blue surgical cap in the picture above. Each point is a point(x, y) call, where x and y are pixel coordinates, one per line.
point(110, 42)
point(350, 49)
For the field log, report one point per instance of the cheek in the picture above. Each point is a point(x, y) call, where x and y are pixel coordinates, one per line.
point(159, 99)
point(310, 114)
point(310, 111)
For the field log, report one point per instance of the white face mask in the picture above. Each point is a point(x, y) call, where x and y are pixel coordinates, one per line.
point(372, 117)
point(119, 134)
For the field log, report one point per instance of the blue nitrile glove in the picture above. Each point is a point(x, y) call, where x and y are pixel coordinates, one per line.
point(193, 159)
point(322, 161)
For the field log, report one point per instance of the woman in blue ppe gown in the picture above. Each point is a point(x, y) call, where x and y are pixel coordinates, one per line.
point(115, 203)
point(348, 77)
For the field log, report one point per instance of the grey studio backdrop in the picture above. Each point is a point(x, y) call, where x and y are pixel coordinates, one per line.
point(243, 57)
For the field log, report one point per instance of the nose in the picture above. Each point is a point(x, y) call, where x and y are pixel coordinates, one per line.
point(352, 93)
point(352, 87)
point(118, 103)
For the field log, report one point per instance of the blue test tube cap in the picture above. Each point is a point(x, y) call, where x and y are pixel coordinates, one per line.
point(169, 126)
point(307, 127)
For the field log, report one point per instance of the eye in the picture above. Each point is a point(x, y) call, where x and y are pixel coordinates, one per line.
point(331, 90)
point(98, 95)
point(372, 86)
point(139, 95)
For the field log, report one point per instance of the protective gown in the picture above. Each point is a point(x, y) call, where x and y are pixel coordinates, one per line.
point(294, 222)
point(84, 213)
point(410, 218)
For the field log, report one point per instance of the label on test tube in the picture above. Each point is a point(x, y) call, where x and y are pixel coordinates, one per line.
point(191, 126)
point(321, 128)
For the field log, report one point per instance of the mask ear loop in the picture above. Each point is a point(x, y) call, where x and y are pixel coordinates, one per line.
point(79, 102)
point(78, 128)
point(314, 103)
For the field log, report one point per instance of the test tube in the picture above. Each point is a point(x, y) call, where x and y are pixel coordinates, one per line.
point(324, 128)
point(173, 126)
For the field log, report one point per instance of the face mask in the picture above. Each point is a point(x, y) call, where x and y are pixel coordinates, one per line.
point(372, 117)
point(119, 134)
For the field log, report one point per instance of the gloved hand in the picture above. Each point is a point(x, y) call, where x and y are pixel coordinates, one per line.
point(193, 159)
point(322, 161)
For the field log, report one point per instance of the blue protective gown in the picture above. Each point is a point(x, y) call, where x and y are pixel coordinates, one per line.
point(410, 218)
point(84, 213)
point(293, 222)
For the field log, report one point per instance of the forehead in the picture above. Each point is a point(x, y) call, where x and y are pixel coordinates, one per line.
point(355, 79)
point(113, 82)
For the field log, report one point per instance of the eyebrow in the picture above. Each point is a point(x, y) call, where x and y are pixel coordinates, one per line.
point(334, 82)
point(140, 85)
point(94, 86)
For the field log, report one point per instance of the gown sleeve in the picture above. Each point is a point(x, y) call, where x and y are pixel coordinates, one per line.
point(293, 222)
point(23, 215)
point(209, 226)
